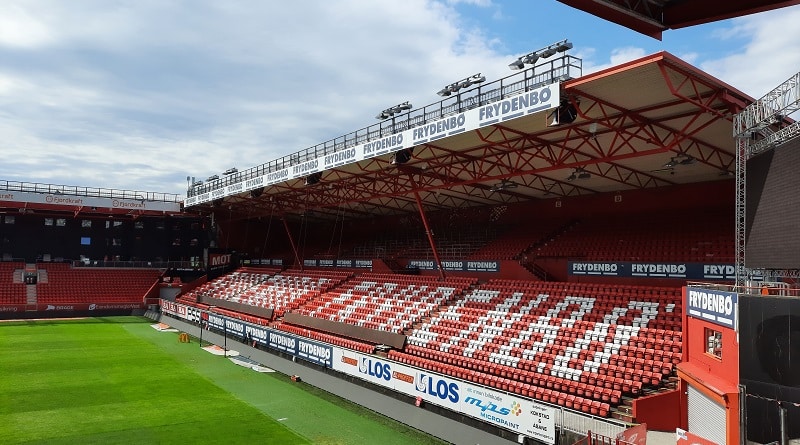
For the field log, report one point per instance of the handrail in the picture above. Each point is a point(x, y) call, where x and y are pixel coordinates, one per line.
point(94, 192)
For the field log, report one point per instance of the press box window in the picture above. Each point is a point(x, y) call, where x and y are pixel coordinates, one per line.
point(714, 343)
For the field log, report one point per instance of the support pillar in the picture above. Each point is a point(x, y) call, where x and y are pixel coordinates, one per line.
point(430, 235)
point(291, 241)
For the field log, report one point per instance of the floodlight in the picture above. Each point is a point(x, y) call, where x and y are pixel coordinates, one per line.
point(463, 83)
point(517, 64)
point(547, 51)
point(391, 111)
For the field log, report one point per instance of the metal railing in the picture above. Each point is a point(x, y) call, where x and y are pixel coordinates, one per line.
point(559, 69)
point(93, 192)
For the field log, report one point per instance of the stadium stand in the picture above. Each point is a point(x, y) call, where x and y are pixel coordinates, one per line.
point(12, 286)
point(67, 284)
point(652, 237)
point(269, 288)
point(583, 346)
point(559, 346)
point(387, 302)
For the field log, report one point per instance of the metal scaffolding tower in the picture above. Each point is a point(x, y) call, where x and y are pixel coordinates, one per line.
point(760, 127)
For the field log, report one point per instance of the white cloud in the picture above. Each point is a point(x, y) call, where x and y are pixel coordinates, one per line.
point(141, 94)
point(617, 57)
point(21, 29)
point(138, 94)
point(769, 54)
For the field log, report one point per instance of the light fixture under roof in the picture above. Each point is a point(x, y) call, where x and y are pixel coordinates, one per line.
point(680, 159)
point(579, 173)
point(504, 185)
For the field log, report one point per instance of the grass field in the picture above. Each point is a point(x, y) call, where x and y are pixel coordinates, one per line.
point(117, 380)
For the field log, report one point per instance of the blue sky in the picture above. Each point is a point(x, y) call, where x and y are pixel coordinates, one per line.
point(141, 94)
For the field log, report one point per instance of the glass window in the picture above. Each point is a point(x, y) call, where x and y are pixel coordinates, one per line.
point(86, 241)
point(61, 222)
point(10, 219)
point(86, 223)
point(48, 222)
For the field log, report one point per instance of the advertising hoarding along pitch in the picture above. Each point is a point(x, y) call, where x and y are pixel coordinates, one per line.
point(505, 410)
point(501, 409)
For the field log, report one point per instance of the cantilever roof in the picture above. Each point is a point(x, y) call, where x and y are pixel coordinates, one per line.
point(632, 120)
point(652, 17)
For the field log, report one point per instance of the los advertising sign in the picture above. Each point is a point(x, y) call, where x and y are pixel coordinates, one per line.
point(718, 307)
point(501, 409)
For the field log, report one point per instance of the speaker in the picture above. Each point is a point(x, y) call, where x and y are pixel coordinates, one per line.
point(255, 193)
point(778, 346)
point(770, 342)
point(313, 178)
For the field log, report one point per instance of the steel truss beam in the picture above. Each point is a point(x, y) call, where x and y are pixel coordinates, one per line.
point(758, 120)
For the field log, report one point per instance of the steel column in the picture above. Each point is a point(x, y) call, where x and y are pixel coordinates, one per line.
point(430, 235)
point(291, 241)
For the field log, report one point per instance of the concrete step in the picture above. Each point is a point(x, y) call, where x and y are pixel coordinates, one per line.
point(625, 417)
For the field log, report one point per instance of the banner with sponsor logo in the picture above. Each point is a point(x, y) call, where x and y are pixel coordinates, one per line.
point(361, 264)
point(265, 261)
point(291, 344)
point(458, 266)
point(718, 307)
point(505, 410)
point(528, 102)
point(626, 269)
point(89, 201)
point(71, 307)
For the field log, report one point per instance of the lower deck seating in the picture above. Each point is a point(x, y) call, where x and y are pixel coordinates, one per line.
point(66, 284)
point(388, 303)
point(562, 347)
point(12, 291)
point(267, 288)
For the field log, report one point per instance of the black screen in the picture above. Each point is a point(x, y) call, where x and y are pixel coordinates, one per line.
point(773, 209)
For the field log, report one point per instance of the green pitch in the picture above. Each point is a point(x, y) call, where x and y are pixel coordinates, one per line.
point(118, 381)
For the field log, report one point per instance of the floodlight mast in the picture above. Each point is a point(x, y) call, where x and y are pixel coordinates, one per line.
point(543, 53)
